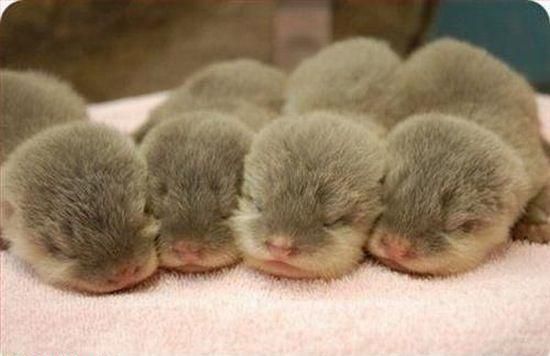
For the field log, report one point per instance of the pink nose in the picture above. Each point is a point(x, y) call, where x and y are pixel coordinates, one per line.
point(396, 248)
point(126, 275)
point(280, 247)
point(187, 252)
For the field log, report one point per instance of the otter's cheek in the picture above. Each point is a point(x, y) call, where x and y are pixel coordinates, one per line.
point(467, 253)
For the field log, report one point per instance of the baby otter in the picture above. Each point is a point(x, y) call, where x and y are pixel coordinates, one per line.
point(195, 162)
point(311, 193)
point(73, 207)
point(465, 164)
point(349, 75)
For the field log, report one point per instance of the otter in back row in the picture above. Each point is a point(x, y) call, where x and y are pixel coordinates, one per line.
point(32, 101)
point(195, 144)
point(248, 89)
point(349, 75)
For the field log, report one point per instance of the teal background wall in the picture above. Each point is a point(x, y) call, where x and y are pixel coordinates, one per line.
point(517, 31)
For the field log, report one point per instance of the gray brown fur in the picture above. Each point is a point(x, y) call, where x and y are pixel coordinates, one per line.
point(349, 75)
point(78, 192)
point(310, 178)
point(245, 79)
point(195, 164)
point(246, 88)
point(457, 176)
point(455, 78)
point(31, 102)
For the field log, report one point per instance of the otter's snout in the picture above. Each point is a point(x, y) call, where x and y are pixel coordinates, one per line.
point(392, 249)
point(280, 247)
point(396, 247)
point(188, 253)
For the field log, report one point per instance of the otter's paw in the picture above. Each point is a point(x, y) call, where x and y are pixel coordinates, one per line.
point(532, 231)
point(534, 225)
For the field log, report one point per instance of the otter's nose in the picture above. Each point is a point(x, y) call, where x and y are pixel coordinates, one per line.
point(126, 275)
point(280, 247)
point(396, 248)
point(187, 252)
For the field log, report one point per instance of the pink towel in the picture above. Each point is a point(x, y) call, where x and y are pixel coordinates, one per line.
point(502, 307)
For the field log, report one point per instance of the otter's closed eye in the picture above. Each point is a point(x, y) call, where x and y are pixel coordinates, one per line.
point(468, 226)
point(333, 223)
point(465, 226)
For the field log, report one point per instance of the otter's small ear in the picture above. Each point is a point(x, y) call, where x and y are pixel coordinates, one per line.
point(6, 210)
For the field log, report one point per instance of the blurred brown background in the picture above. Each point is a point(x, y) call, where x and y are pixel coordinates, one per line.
point(113, 49)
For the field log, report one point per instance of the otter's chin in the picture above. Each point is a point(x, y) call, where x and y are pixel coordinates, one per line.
point(194, 268)
point(201, 268)
point(206, 263)
point(396, 266)
point(279, 268)
point(105, 285)
point(101, 287)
